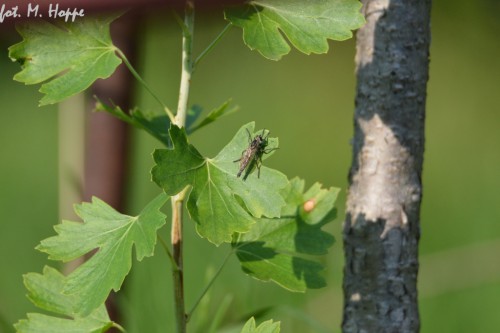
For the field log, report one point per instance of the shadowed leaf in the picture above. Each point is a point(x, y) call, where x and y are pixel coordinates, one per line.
point(279, 249)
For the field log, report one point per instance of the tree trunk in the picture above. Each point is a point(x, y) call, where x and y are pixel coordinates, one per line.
point(381, 230)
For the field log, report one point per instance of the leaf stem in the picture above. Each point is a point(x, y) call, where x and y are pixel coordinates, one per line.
point(119, 327)
point(167, 251)
point(178, 199)
point(211, 45)
point(144, 84)
point(180, 21)
point(195, 305)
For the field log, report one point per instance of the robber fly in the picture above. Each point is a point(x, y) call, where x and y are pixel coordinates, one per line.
point(256, 148)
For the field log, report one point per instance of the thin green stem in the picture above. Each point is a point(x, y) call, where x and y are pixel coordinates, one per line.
point(220, 313)
point(211, 45)
point(144, 84)
point(203, 293)
point(167, 251)
point(119, 327)
point(181, 23)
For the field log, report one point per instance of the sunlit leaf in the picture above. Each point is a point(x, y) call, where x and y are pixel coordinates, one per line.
point(67, 57)
point(306, 24)
point(219, 202)
point(265, 327)
point(45, 291)
point(113, 234)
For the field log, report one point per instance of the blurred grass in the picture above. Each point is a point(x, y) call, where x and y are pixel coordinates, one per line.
point(307, 101)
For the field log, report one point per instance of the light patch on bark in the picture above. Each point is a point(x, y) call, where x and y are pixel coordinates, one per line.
point(372, 10)
point(379, 186)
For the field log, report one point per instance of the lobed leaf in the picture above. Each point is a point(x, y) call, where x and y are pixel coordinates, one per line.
point(45, 291)
point(113, 234)
point(278, 249)
point(220, 203)
point(68, 57)
point(265, 327)
point(40, 323)
point(306, 24)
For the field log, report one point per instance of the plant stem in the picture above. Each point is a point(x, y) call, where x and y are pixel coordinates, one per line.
point(177, 268)
point(212, 45)
point(195, 305)
point(144, 84)
point(187, 64)
point(178, 199)
point(119, 328)
point(167, 251)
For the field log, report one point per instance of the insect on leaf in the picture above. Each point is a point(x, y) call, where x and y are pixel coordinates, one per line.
point(113, 234)
point(306, 24)
point(219, 202)
point(280, 249)
point(67, 57)
point(45, 291)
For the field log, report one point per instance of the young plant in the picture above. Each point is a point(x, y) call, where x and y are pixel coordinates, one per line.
point(272, 223)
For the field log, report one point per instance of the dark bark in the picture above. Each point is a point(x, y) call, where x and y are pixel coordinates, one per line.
point(381, 230)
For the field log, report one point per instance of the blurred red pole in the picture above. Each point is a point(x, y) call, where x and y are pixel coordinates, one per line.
point(106, 150)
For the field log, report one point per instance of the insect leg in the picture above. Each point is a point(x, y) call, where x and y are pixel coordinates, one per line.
point(267, 151)
point(239, 159)
point(249, 136)
point(262, 135)
point(258, 163)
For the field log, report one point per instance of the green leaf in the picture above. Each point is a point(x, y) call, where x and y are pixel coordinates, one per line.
point(154, 124)
point(40, 323)
point(306, 24)
point(318, 203)
point(213, 116)
point(45, 291)
point(219, 202)
point(113, 234)
point(279, 249)
point(265, 327)
point(68, 57)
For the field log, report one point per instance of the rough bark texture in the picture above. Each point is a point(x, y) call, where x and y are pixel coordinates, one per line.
point(381, 230)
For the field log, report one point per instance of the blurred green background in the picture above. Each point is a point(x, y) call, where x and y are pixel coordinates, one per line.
point(307, 101)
